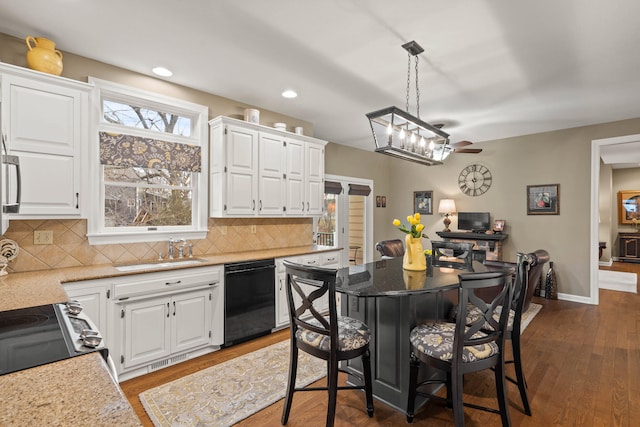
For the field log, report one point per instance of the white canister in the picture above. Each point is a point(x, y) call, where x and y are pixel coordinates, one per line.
point(280, 126)
point(252, 115)
point(299, 130)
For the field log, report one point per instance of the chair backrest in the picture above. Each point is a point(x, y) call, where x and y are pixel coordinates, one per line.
point(390, 248)
point(451, 254)
point(469, 284)
point(303, 299)
point(537, 260)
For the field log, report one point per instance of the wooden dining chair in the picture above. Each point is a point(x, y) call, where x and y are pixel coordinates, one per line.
point(458, 348)
point(528, 270)
point(327, 336)
point(452, 254)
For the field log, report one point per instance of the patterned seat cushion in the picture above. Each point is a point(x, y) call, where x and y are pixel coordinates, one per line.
point(352, 334)
point(436, 340)
point(474, 314)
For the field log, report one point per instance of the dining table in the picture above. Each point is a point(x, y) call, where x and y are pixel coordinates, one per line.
point(391, 301)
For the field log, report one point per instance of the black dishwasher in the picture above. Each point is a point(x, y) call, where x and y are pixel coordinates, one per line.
point(249, 300)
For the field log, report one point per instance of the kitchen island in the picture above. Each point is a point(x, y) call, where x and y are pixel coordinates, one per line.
point(391, 301)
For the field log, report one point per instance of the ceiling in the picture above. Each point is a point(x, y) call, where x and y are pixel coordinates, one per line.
point(491, 68)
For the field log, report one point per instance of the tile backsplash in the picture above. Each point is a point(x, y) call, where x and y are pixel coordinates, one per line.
point(71, 248)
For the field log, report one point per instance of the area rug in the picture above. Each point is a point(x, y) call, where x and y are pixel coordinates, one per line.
point(228, 392)
point(528, 315)
point(231, 391)
point(618, 281)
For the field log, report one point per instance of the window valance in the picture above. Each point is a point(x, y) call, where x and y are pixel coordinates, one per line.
point(135, 151)
point(332, 187)
point(359, 190)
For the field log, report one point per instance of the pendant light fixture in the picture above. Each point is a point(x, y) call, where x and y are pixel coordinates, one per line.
point(400, 134)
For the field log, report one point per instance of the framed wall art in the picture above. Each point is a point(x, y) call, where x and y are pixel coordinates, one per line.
point(498, 225)
point(628, 205)
point(423, 202)
point(543, 199)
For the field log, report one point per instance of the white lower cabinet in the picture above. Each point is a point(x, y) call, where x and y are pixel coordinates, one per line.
point(325, 259)
point(152, 320)
point(159, 327)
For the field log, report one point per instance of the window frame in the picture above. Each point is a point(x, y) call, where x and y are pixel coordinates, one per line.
point(97, 233)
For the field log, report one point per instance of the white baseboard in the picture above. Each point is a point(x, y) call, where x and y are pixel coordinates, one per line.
point(606, 263)
point(575, 298)
point(618, 281)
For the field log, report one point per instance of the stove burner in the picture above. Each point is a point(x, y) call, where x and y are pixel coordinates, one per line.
point(25, 318)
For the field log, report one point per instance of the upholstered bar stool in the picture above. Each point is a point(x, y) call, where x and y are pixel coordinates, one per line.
point(460, 348)
point(329, 337)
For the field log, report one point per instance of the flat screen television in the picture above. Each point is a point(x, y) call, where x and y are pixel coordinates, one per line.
point(474, 221)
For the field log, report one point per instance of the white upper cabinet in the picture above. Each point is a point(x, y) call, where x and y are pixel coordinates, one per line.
point(260, 171)
point(241, 171)
point(271, 177)
point(315, 178)
point(45, 123)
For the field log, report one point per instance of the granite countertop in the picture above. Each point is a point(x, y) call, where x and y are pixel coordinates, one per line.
point(77, 391)
point(19, 290)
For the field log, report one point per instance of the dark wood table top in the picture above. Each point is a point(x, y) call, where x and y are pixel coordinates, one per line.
point(388, 278)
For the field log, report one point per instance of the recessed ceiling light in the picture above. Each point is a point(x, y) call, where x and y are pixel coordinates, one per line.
point(162, 72)
point(289, 93)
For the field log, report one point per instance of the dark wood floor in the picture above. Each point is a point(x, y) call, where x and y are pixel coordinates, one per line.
point(582, 363)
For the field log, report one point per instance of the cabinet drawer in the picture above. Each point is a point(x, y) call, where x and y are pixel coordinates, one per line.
point(331, 259)
point(163, 282)
point(313, 260)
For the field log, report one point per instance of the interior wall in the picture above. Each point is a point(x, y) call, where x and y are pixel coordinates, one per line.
point(622, 179)
point(560, 157)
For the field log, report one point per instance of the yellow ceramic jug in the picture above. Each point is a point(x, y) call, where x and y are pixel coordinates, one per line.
point(43, 56)
point(414, 258)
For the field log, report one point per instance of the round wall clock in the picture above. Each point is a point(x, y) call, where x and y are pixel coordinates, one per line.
point(474, 180)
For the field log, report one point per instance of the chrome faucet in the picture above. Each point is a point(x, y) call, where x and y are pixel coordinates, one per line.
point(181, 248)
point(171, 242)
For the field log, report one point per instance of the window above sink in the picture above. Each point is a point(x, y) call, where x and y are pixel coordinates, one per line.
point(150, 152)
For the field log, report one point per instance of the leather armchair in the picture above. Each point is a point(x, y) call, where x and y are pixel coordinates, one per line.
point(537, 260)
point(390, 248)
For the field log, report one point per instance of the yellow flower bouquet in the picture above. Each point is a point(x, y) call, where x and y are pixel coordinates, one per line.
point(415, 226)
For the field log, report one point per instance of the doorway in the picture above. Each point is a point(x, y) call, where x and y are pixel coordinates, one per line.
point(596, 150)
point(347, 220)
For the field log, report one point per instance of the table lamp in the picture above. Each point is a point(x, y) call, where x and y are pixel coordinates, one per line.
point(447, 207)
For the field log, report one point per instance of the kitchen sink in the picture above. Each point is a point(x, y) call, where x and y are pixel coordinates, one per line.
point(158, 265)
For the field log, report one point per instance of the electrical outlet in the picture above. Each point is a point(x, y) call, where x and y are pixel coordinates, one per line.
point(253, 229)
point(223, 230)
point(43, 237)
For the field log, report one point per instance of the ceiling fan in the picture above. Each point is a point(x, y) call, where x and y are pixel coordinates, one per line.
point(457, 146)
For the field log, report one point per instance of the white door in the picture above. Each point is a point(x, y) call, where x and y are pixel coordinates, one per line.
point(191, 320)
point(44, 128)
point(147, 329)
point(271, 187)
point(347, 220)
point(242, 166)
point(315, 178)
point(295, 171)
point(282, 307)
